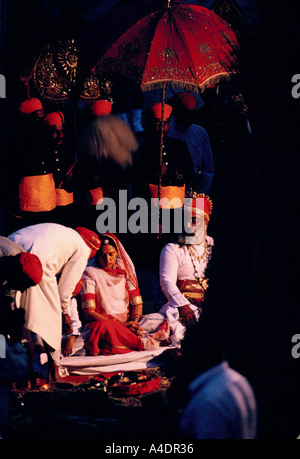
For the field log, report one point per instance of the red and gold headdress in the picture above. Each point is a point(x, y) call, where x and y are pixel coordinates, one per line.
point(201, 204)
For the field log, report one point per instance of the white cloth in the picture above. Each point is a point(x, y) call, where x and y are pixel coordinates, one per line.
point(176, 264)
point(63, 252)
point(151, 322)
point(74, 316)
point(131, 361)
point(222, 406)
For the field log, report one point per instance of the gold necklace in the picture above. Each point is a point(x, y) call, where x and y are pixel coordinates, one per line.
point(205, 255)
point(202, 281)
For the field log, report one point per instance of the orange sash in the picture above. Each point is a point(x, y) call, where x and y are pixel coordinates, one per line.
point(37, 193)
point(167, 195)
point(63, 198)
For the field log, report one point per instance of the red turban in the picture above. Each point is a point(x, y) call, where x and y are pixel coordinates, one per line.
point(54, 119)
point(90, 238)
point(30, 105)
point(186, 100)
point(100, 107)
point(156, 110)
point(31, 267)
point(201, 204)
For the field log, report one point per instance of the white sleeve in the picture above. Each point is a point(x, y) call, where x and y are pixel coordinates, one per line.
point(73, 313)
point(71, 275)
point(168, 277)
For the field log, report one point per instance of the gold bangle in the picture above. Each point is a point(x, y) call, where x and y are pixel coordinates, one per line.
point(136, 300)
point(88, 304)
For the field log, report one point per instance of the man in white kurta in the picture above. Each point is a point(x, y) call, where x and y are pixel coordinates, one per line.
point(176, 265)
point(64, 253)
point(182, 271)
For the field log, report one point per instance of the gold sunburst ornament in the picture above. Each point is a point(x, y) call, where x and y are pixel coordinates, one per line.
point(54, 71)
point(50, 84)
point(67, 58)
point(94, 89)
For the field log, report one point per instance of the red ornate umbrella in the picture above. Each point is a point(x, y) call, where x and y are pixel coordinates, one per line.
point(179, 44)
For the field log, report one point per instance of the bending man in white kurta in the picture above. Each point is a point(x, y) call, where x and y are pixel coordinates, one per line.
point(63, 252)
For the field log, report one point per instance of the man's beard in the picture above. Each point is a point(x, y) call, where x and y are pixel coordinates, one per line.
point(196, 238)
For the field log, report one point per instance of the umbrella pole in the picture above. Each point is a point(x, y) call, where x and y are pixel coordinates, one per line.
point(161, 140)
point(161, 149)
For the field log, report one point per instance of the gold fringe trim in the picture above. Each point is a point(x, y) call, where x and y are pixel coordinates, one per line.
point(187, 86)
point(159, 84)
point(217, 79)
point(120, 347)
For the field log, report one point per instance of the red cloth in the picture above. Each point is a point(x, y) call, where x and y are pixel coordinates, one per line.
point(54, 119)
point(90, 238)
point(78, 287)
point(186, 100)
point(31, 267)
point(110, 337)
point(100, 107)
point(156, 110)
point(30, 105)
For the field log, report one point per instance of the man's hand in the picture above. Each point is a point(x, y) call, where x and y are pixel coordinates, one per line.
point(134, 327)
point(67, 324)
point(68, 349)
point(186, 314)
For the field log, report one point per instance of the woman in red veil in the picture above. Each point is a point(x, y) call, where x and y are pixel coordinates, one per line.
point(112, 304)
